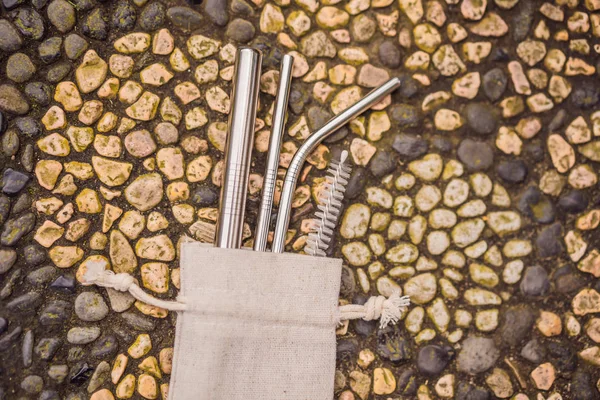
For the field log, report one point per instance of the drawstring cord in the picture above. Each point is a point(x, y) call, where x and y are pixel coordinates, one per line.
point(388, 310)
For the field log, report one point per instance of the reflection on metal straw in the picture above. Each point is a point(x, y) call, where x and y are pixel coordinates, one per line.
point(266, 204)
point(240, 139)
point(291, 177)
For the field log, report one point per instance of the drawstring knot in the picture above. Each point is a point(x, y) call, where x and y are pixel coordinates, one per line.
point(388, 310)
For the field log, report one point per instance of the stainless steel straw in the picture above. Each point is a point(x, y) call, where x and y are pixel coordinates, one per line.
point(270, 178)
point(291, 177)
point(240, 139)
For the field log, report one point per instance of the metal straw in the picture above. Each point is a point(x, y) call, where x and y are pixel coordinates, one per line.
point(291, 177)
point(268, 191)
point(240, 139)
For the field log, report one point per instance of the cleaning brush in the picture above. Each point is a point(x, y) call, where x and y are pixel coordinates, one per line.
point(329, 210)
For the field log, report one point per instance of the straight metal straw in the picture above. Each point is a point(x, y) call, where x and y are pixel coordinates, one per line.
point(291, 177)
point(270, 179)
point(240, 139)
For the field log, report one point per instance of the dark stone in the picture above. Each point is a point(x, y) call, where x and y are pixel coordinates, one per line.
point(27, 158)
point(389, 54)
point(568, 280)
point(10, 40)
point(534, 151)
point(348, 283)
point(39, 4)
point(49, 50)
point(22, 203)
point(477, 355)
point(563, 356)
point(441, 144)
point(535, 281)
point(477, 156)
point(549, 241)
point(27, 349)
point(356, 183)
point(64, 282)
point(408, 89)
point(8, 340)
point(34, 254)
point(12, 101)
point(573, 202)
point(105, 347)
point(535, 204)
point(533, 351)
point(3, 123)
point(138, 322)
point(124, 16)
point(75, 354)
point(512, 171)
point(582, 386)
point(95, 25)
point(185, 18)
point(62, 15)
point(392, 345)
point(80, 373)
point(407, 383)
point(25, 303)
point(8, 257)
point(15, 229)
point(465, 391)
point(29, 22)
point(499, 54)
point(299, 213)
point(47, 348)
point(13, 181)
point(558, 120)
point(521, 21)
point(205, 196)
point(4, 208)
point(39, 93)
point(75, 46)
point(240, 30)
point(19, 68)
point(57, 72)
point(3, 325)
point(347, 350)
point(317, 117)
point(585, 95)
point(216, 11)
point(242, 8)
point(494, 83)
point(517, 323)
point(41, 276)
point(405, 115)
point(383, 163)
point(9, 283)
point(84, 5)
point(337, 135)
point(433, 359)
point(481, 118)
point(10, 4)
point(410, 146)
point(28, 126)
point(152, 16)
point(55, 313)
point(32, 384)
point(49, 395)
point(10, 143)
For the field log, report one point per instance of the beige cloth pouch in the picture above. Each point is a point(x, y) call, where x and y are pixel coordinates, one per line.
point(255, 325)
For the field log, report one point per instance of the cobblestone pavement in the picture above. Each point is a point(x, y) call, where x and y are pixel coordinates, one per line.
point(474, 187)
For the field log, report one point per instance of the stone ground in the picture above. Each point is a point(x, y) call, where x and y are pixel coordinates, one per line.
point(474, 187)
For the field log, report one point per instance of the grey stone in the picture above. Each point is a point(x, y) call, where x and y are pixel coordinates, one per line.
point(389, 54)
point(240, 30)
point(34, 254)
point(138, 322)
point(316, 117)
point(585, 95)
point(105, 347)
point(64, 282)
point(32, 384)
point(533, 351)
point(152, 16)
point(90, 307)
point(58, 372)
point(10, 4)
point(49, 50)
point(124, 16)
point(465, 391)
point(38, 92)
point(185, 18)
point(12, 101)
point(39, 4)
point(512, 171)
point(119, 301)
point(433, 359)
point(3, 325)
point(568, 279)
point(95, 25)
point(563, 355)
point(516, 325)
point(383, 163)
point(9, 283)
point(299, 98)
point(13, 181)
point(557, 120)
point(535, 281)
point(348, 283)
point(62, 15)
point(27, 302)
point(8, 257)
point(22, 203)
point(347, 349)
point(7, 341)
point(27, 158)
point(27, 349)
point(10, 39)
point(28, 126)
point(356, 183)
point(481, 118)
point(521, 21)
point(442, 144)
point(41, 276)
point(47, 348)
point(241, 7)
point(100, 375)
point(393, 345)
point(49, 395)
point(573, 202)
point(477, 156)
point(477, 355)
point(19, 68)
point(29, 22)
point(75, 46)
point(205, 196)
point(494, 83)
point(58, 71)
point(410, 146)
point(84, 5)
point(549, 241)
point(83, 334)
point(4, 208)
point(407, 383)
point(582, 386)
point(536, 205)
point(216, 10)
point(55, 313)
point(534, 151)
point(405, 115)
